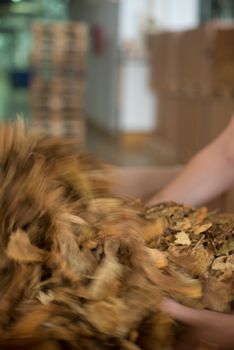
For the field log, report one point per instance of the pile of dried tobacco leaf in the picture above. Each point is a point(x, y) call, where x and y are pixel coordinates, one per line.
point(80, 269)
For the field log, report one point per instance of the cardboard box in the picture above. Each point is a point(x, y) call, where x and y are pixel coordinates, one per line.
point(164, 51)
point(198, 61)
point(158, 61)
point(180, 121)
point(168, 119)
point(203, 57)
point(189, 123)
point(190, 112)
point(217, 111)
point(224, 59)
point(171, 61)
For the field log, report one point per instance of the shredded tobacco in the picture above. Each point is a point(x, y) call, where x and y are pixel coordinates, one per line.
point(82, 269)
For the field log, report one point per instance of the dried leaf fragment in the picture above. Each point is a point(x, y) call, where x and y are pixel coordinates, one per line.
point(200, 229)
point(182, 238)
point(159, 258)
point(45, 298)
point(154, 228)
point(223, 263)
point(20, 249)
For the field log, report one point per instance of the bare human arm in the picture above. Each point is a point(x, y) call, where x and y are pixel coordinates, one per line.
point(207, 175)
point(142, 181)
point(206, 327)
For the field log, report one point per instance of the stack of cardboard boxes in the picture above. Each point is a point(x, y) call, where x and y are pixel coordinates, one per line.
point(57, 90)
point(192, 74)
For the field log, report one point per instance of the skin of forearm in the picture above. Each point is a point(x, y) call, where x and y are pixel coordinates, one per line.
point(207, 175)
point(193, 189)
point(209, 326)
point(142, 181)
point(220, 328)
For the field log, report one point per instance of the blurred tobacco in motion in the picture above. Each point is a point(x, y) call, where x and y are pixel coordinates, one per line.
point(82, 269)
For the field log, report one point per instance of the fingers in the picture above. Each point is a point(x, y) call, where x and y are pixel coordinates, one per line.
point(181, 313)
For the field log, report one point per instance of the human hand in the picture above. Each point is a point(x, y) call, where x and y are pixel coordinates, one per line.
point(207, 327)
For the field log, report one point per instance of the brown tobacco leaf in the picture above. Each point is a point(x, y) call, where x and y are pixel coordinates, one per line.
point(82, 269)
point(106, 282)
point(223, 263)
point(217, 295)
point(182, 238)
point(195, 261)
point(20, 249)
point(109, 317)
point(182, 225)
point(104, 205)
point(159, 258)
point(154, 228)
point(226, 248)
point(199, 216)
point(158, 329)
point(203, 259)
point(45, 298)
point(200, 229)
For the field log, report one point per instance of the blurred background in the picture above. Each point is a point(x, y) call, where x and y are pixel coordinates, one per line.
point(138, 82)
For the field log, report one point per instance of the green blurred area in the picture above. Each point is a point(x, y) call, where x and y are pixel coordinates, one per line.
point(16, 18)
point(216, 9)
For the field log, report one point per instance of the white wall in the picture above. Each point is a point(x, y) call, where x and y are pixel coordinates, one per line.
point(168, 15)
point(101, 102)
point(138, 108)
point(118, 95)
point(176, 14)
point(130, 16)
